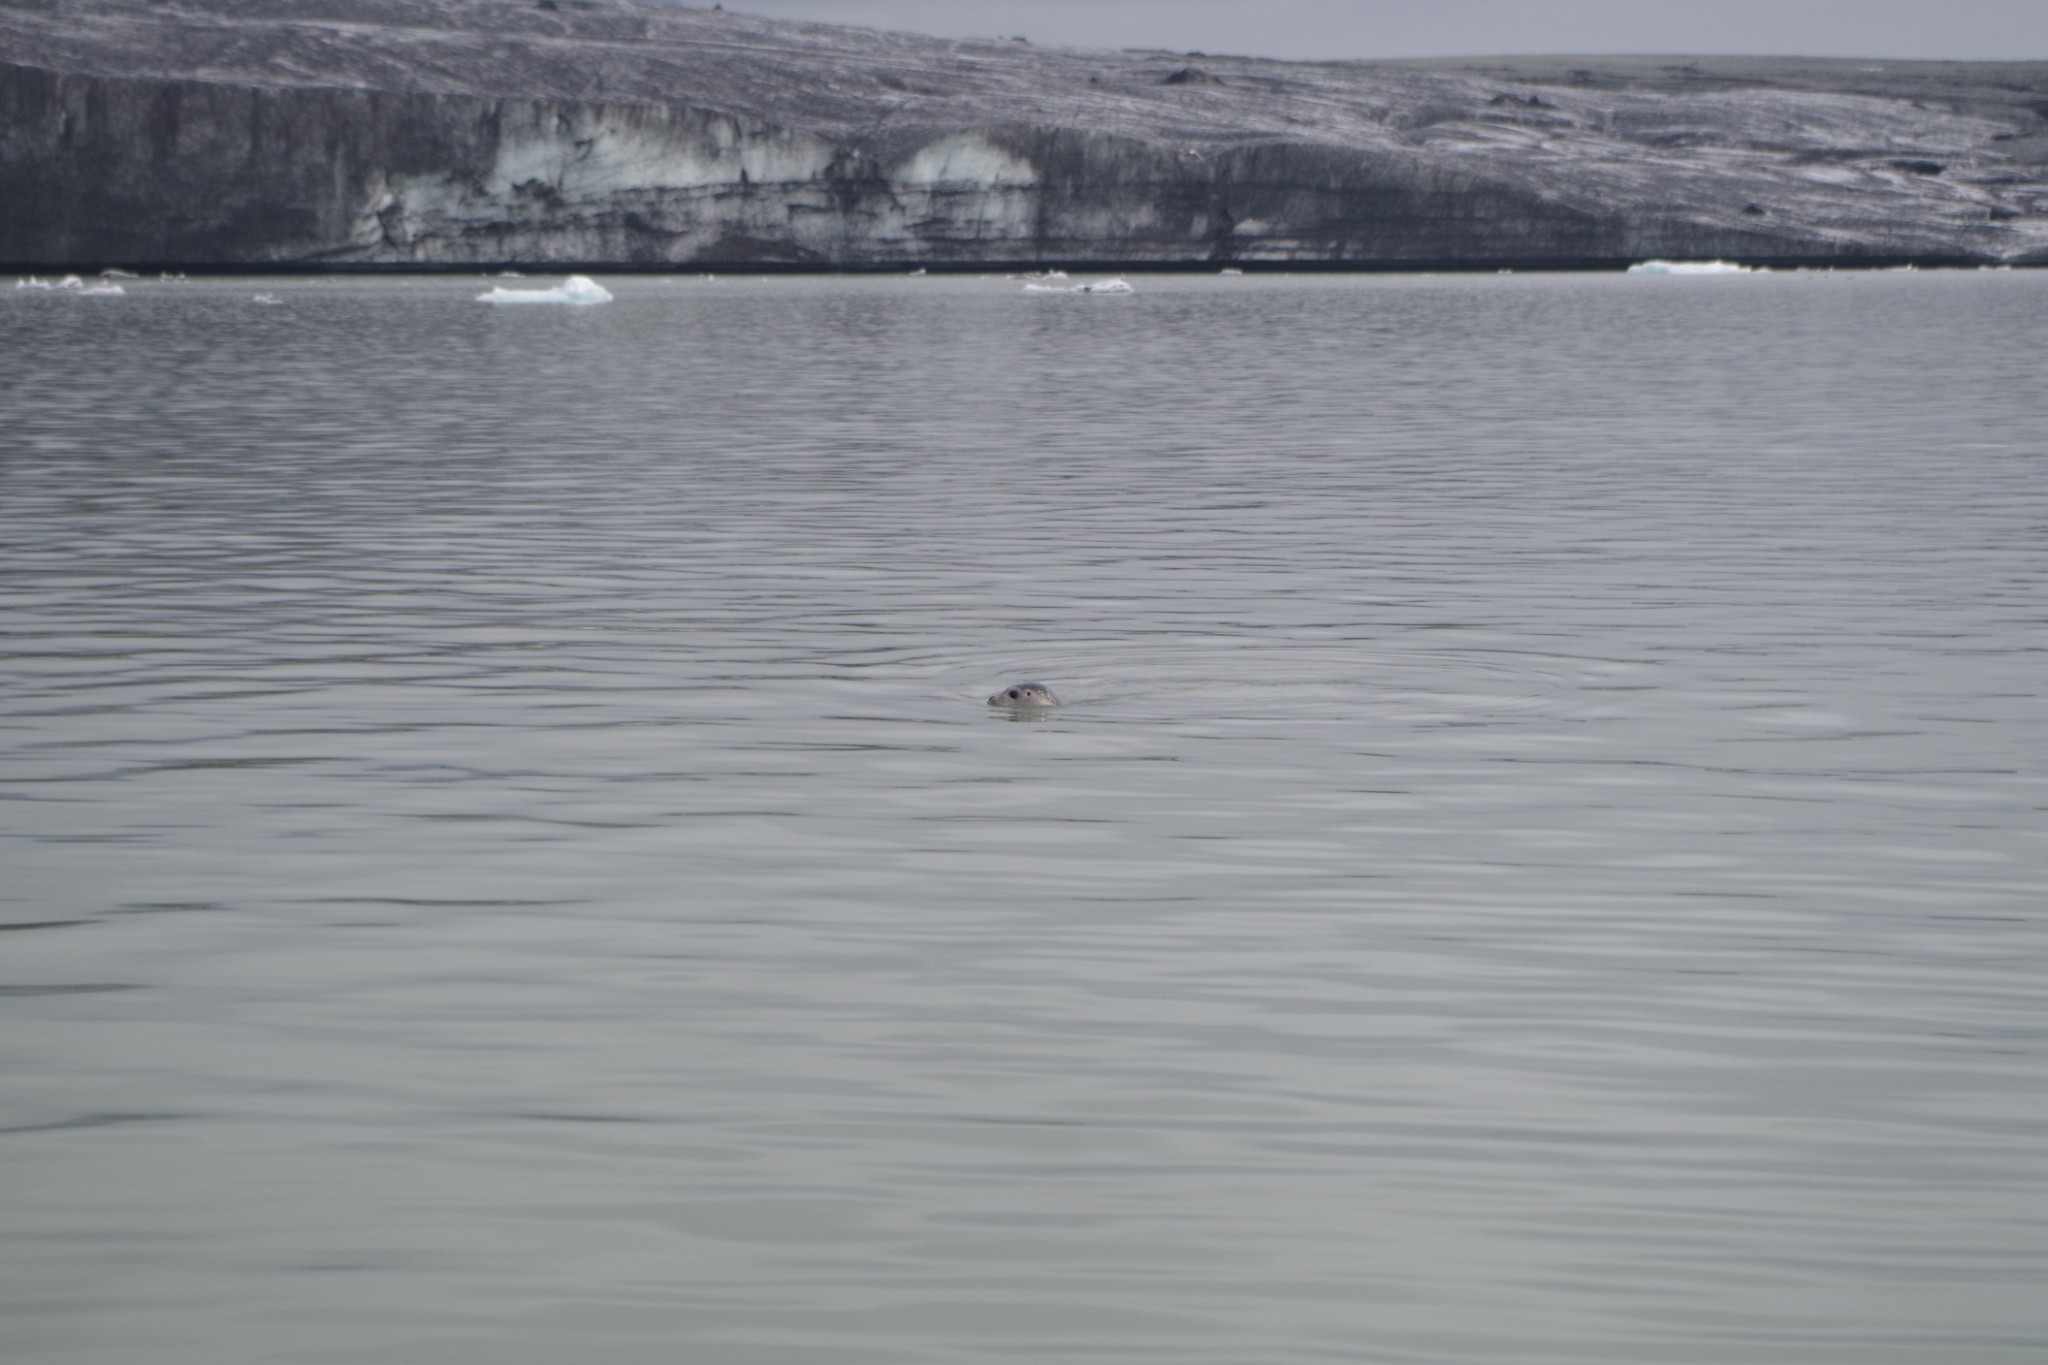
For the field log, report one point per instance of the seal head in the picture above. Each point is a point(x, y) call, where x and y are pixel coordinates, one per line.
point(1023, 695)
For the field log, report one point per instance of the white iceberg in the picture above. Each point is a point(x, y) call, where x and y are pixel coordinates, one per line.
point(1689, 268)
point(103, 290)
point(1116, 286)
point(577, 289)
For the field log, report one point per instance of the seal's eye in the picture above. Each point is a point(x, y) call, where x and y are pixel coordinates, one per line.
point(1014, 694)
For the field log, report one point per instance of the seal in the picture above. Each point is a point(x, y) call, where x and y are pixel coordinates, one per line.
point(1024, 694)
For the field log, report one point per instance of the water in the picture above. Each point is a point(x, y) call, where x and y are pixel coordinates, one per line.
point(506, 859)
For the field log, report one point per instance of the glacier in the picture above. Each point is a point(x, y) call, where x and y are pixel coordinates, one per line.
point(589, 134)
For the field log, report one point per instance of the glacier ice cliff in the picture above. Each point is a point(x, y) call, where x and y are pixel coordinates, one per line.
point(564, 132)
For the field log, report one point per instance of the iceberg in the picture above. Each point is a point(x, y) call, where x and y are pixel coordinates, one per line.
point(103, 290)
point(1116, 286)
point(1689, 268)
point(577, 289)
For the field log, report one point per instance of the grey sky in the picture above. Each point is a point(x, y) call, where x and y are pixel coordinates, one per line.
point(1426, 28)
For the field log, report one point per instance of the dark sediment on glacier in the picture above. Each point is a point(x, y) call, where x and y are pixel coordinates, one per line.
point(442, 133)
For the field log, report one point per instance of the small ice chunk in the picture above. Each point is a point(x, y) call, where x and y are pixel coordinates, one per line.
point(577, 289)
point(1689, 268)
point(103, 290)
point(71, 282)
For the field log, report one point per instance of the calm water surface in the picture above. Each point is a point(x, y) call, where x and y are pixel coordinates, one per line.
point(506, 859)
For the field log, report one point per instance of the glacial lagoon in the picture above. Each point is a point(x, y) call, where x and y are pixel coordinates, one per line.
point(1542, 859)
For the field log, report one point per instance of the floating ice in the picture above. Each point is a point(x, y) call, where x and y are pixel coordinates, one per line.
point(1689, 268)
point(103, 290)
point(266, 299)
point(1116, 286)
point(33, 283)
point(71, 282)
point(577, 289)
